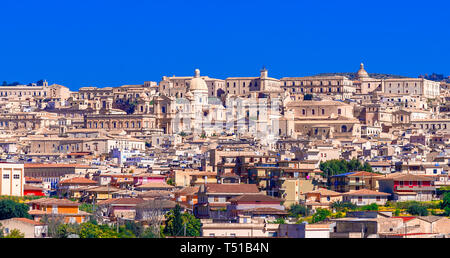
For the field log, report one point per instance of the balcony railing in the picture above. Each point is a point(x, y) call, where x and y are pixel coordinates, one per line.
point(356, 183)
point(415, 188)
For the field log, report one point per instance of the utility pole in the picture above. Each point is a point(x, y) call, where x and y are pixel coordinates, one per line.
point(184, 228)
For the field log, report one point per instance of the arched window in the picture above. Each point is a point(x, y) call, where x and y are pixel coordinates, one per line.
point(344, 129)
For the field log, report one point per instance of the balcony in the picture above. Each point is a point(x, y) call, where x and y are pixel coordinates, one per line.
point(356, 183)
point(415, 188)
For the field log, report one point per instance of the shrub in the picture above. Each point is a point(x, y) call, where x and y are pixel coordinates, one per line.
point(370, 207)
point(418, 210)
point(297, 210)
point(320, 215)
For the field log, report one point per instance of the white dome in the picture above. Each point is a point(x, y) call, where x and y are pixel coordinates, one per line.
point(197, 83)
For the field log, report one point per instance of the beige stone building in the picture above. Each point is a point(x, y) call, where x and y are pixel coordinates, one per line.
point(245, 85)
point(400, 86)
point(339, 86)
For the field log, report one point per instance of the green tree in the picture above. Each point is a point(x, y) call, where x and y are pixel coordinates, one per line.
point(86, 207)
point(320, 215)
point(89, 230)
point(341, 206)
point(193, 225)
point(418, 210)
point(445, 204)
point(176, 221)
point(124, 232)
point(134, 227)
point(149, 233)
point(337, 167)
point(170, 181)
point(11, 209)
point(15, 233)
point(64, 230)
point(297, 210)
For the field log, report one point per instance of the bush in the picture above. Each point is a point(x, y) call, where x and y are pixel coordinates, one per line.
point(445, 204)
point(15, 233)
point(418, 210)
point(343, 206)
point(297, 210)
point(11, 209)
point(279, 221)
point(370, 207)
point(320, 215)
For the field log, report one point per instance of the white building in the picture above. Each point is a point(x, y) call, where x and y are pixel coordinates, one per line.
point(12, 179)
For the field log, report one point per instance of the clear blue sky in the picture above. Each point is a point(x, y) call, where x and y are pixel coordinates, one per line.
point(110, 43)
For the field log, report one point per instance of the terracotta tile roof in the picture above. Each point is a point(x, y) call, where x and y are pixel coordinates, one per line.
point(232, 188)
point(188, 190)
point(53, 201)
point(31, 187)
point(255, 198)
point(406, 177)
point(103, 189)
point(32, 179)
point(366, 192)
point(155, 185)
point(149, 175)
point(159, 203)
point(266, 210)
point(28, 221)
point(78, 180)
point(155, 194)
point(41, 212)
point(364, 174)
point(36, 165)
point(325, 192)
point(122, 201)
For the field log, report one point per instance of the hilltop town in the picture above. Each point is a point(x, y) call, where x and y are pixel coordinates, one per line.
point(326, 156)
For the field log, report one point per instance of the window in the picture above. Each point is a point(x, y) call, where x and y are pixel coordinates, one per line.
point(16, 176)
point(5, 176)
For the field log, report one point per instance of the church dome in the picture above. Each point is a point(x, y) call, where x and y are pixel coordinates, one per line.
point(362, 73)
point(197, 83)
